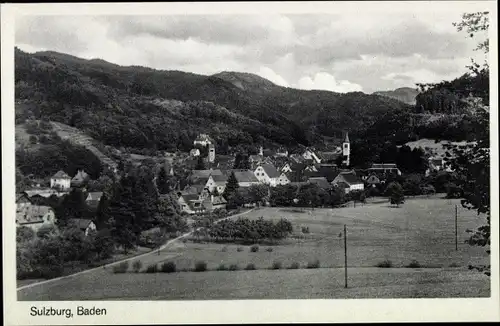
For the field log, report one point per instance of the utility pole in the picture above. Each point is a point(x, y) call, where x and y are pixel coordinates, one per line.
point(345, 255)
point(456, 227)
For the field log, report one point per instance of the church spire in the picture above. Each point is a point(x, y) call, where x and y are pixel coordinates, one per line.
point(346, 139)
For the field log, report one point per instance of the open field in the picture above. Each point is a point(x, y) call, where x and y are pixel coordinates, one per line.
point(431, 147)
point(421, 229)
point(266, 284)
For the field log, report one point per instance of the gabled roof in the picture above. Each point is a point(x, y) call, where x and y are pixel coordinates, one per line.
point(189, 197)
point(219, 200)
point(245, 176)
point(42, 192)
point(94, 195)
point(32, 214)
point(351, 178)
point(270, 170)
point(219, 178)
point(328, 156)
point(320, 182)
point(61, 175)
point(194, 189)
point(80, 223)
point(80, 176)
point(204, 174)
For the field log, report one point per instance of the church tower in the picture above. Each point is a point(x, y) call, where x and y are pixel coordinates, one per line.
point(211, 153)
point(261, 151)
point(346, 150)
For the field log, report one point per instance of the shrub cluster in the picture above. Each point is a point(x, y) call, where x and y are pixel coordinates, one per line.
point(385, 264)
point(121, 267)
point(313, 264)
point(251, 230)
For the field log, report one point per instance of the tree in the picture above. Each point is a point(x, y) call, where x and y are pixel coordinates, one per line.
point(72, 206)
point(24, 233)
point(395, 193)
point(231, 186)
point(168, 216)
point(472, 162)
point(258, 193)
point(241, 162)
point(162, 182)
point(200, 164)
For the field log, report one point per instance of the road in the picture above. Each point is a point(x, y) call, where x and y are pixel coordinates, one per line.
point(149, 257)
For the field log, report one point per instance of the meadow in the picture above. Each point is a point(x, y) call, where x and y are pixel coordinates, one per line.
point(421, 229)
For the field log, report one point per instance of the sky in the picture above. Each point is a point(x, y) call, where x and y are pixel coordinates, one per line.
point(336, 52)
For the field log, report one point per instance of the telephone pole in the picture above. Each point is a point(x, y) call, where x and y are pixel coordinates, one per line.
point(345, 255)
point(456, 227)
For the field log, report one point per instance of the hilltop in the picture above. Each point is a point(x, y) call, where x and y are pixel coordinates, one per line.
point(404, 94)
point(120, 106)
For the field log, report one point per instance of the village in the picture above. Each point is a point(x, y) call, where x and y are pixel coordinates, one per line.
point(203, 189)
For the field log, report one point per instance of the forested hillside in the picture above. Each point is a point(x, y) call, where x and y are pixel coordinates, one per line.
point(141, 107)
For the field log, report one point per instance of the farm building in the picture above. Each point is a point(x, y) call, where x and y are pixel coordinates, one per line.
point(267, 174)
point(349, 181)
point(79, 179)
point(84, 225)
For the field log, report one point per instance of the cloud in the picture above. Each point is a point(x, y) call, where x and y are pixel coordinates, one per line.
point(340, 52)
point(268, 73)
point(325, 81)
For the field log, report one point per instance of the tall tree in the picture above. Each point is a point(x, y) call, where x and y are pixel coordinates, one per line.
point(200, 164)
point(231, 186)
point(72, 206)
point(162, 181)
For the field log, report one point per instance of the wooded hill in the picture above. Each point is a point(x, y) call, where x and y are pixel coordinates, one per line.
point(147, 108)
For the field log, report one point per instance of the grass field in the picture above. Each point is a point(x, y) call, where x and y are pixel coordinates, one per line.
point(420, 229)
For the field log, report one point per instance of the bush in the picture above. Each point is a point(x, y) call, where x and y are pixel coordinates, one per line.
point(414, 264)
point(233, 267)
point(222, 267)
point(250, 267)
point(240, 249)
point(294, 265)
point(313, 264)
point(385, 264)
point(121, 267)
point(152, 269)
point(137, 265)
point(254, 248)
point(269, 249)
point(224, 249)
point(200, 266)
point(454, 265)
point(305, 229)
point(276, 265)
point(168, 267)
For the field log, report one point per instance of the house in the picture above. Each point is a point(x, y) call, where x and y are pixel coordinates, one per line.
point(281, 152)
point(283, 179)
point(285, 168)
point(310, 155)
point(329, 157)
point(35, 216)
point(85, 225)
point(22, 200)
point(373, 180)
point(61, 180)
point(203, 140)
point(212, 203)
point(93, 198)
point(245, 178)
point(320, 182)
point(267, 174)
point(191, 203)
point(384, 168)
point(200, 177)
point(195, 152)
point(79, 179)
point(45, 193)
point(296, 159)
point(216, 181)
point(349, 181)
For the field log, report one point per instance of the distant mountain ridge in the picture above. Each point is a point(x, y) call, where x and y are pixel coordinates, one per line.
point(404, 94)
point(119, 105)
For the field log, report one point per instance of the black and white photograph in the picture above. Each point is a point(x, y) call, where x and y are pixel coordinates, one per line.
point(335, 153)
